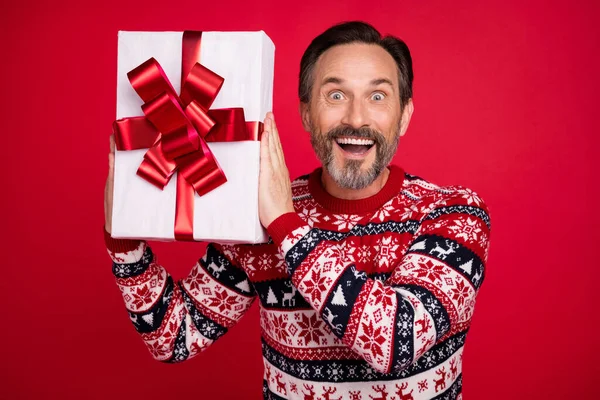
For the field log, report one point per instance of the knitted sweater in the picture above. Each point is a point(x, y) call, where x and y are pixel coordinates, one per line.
point(359, 299)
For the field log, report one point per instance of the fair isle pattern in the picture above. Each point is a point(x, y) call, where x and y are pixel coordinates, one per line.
point(366, 305)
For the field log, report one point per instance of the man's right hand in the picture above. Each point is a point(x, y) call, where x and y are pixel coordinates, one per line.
point(108, 189)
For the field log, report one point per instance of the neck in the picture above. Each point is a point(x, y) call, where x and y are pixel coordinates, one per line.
point(334, 190)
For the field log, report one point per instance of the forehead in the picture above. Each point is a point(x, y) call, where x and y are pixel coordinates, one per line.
point(358, 62)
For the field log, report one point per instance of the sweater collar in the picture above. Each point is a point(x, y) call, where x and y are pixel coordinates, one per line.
point(391, 188)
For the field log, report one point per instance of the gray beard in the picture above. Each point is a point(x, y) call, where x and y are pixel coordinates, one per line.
point(350, 175)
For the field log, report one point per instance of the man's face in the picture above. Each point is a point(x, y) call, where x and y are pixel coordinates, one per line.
point(354, 115)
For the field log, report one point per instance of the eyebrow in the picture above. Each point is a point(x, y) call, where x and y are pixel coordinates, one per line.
point(379, 81)
point(339, 81)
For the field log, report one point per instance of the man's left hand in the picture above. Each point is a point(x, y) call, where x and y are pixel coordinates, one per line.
point(274, 187)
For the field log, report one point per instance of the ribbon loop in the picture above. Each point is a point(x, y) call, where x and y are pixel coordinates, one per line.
point(201, 85)
point(149, 80)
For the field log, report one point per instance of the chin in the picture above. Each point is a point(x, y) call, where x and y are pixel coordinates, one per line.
point(355, 174)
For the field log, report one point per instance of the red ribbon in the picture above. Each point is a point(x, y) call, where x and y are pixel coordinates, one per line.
point(176, 129)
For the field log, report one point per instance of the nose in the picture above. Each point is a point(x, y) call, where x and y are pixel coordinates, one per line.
point(356, 114)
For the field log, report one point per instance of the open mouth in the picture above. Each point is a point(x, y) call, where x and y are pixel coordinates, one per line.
point(355, 145)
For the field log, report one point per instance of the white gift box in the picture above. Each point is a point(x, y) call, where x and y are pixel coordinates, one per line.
point(228, 214)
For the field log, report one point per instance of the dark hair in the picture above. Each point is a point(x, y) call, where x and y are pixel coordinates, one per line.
point(351, 32)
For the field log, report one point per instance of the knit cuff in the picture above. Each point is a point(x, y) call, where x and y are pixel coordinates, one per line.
point(283, 226)
point(120, 245)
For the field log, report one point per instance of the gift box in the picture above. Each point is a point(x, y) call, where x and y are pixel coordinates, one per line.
point(221, 71)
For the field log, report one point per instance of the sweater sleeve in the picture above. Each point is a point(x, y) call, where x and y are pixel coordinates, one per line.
point(429, 295)
point(179, 319)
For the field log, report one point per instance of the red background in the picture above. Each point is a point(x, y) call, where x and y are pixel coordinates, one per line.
point(505, 103)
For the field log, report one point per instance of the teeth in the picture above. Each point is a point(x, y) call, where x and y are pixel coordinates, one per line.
point(363, 142)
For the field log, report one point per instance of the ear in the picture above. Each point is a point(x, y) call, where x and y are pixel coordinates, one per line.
point(305, 116)
point(406, 115)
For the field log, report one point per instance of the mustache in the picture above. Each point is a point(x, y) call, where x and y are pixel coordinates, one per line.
point(348, 131)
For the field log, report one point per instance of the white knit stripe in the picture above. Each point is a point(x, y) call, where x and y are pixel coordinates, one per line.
point(434, 382)
point(213, 295)
point(299, 329)
point(459, 291)
point(321, 274)
point(291, 239)
point(375, 336)
point(142, 296)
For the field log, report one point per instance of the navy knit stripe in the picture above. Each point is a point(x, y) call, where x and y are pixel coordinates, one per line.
point(206, 326)
point(227, 274)
point(276, 293)
point(180, 351)
point(151, 320)
point(403, 350)
point(336, 371)
point(461, 209)
point(338, 306)
point(452, 253)
point(300, 250)
point(434, 307)
point(130, 270)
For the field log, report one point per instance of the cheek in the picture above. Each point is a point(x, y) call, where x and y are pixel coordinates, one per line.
point(327, 117)
point(386, 118)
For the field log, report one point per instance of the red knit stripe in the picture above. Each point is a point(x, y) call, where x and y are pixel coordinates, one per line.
point(283, 226)
point(120, 245)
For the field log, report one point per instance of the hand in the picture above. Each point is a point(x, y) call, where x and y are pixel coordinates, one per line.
point(108, 189)
point(274, 187)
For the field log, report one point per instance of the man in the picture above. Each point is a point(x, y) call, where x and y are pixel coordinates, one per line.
point(368, 286)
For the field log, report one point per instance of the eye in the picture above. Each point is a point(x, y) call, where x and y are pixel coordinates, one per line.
point(377, 96)
point(336, 96)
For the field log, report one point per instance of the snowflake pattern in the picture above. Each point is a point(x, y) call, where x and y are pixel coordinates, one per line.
point(194, 281)
point(222, 301)
point(264, 262)
point(386, 251)
point(311, 328)
point(383, 213)
point(372, 339)
point(430, 271)
point(383, 297)
point(471, 197)
point(345, 221)
point(363, 254)
point(315, 285)
point(280, 328)
point(311, 216)
point(460, 292)
point(468, 229)
point(158, 350)
point(142, 296)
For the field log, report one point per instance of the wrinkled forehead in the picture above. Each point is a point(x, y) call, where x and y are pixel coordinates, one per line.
point(355, 64)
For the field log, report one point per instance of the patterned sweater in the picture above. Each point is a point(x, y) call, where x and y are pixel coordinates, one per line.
point(359, 299)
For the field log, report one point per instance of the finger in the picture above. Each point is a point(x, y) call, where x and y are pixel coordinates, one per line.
point(264, 148)
point(278, 141)
point(273, 153)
